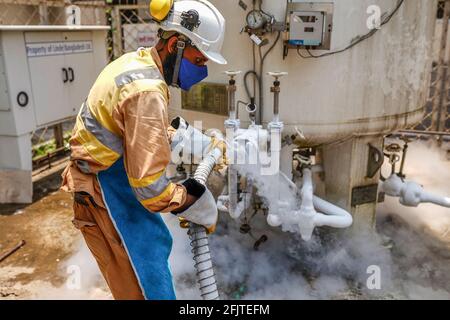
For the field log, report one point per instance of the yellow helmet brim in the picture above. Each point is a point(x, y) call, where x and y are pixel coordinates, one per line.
point(159, 9)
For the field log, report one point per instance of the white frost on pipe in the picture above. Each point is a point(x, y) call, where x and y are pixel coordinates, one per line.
point(333, 216)
point(223, 204)
point(410, 193)
point(244, 150)
point(308, 218)
point(271, 163)
point(250, 146)
point(223, 201)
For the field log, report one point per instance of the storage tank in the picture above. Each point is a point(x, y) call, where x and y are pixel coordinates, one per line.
point(343, 103)
point(377, 86)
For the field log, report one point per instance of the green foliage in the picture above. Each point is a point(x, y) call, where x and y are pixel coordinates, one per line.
point(49, 146)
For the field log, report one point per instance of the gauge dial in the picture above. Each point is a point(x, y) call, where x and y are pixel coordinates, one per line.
point(255, 19)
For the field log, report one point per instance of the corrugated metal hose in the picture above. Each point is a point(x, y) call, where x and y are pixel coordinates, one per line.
point(206, 277)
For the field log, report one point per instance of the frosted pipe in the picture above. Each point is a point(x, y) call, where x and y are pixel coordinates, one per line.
point(410, 193)
point(273, 160)
point(334, 216)
point(307, 217)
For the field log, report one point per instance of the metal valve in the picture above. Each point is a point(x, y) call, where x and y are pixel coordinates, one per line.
point(232, 73)
point(392, 152)
point(231, 88)
point(276, 93)
point(277, 75)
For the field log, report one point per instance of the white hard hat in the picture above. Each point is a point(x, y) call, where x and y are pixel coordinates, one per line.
point(208, 35)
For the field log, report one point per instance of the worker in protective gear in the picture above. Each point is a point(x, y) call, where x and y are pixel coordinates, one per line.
point(121, 146)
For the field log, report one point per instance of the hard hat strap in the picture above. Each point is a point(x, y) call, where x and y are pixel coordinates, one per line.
point(181, 45)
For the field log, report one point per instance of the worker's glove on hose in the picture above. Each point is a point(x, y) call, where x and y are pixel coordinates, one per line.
point(204, 211)
point(188, 141)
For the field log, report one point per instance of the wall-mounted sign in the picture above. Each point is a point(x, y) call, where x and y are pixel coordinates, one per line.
point(42, 49)
point(138, 35)
point(206, 97)
point(147, 38)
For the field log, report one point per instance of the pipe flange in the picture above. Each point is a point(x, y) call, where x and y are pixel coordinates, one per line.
point(275, 125)
point(232, 124)
point(394, 148)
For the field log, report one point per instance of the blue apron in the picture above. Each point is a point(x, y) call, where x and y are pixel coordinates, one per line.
point(144, 234)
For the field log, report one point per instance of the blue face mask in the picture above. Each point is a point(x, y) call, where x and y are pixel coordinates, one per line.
point(191, 74)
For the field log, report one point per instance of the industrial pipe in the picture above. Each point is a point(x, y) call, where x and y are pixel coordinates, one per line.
point(231, 88)
point(334, 216)
point(314, 211)
point(223, 201)
point(275, 129)
point(234, 206)
point(276, 94)
point(199, 238)
point(410, 193)
point(223, 204)
point(233, 192)
point(247, 144)
point(232, 125)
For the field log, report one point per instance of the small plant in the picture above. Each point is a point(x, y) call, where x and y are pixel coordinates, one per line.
point(49, 146)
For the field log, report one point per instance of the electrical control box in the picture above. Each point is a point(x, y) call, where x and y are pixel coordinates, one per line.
point(306, 28)
point(309, 25)
point(46, 73)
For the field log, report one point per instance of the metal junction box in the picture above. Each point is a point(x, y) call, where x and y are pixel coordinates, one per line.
point(309, 25)
point(45, 75)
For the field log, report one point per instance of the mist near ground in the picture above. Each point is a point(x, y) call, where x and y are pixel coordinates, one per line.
point(411, 247)
point(336, 264)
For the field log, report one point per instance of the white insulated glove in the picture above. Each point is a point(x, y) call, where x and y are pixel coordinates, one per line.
point(203, 212)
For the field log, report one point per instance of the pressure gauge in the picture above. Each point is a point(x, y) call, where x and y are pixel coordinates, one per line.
point(256, 19)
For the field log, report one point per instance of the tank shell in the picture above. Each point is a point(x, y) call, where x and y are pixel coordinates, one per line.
point(377, 87)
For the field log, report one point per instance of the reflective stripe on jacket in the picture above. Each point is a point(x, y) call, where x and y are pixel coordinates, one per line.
point(126, 114)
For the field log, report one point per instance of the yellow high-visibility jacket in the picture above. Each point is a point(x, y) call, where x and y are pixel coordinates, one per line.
point(125, 114)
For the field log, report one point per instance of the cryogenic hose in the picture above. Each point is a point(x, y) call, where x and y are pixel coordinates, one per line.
point(205, 168)
point(199, 239)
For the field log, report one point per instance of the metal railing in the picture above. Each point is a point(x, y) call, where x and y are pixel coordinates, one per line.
point(436, 121)
point(131, 27)
point(39, 12)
